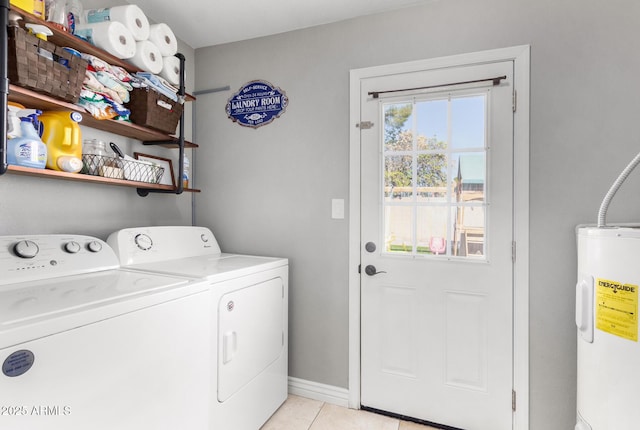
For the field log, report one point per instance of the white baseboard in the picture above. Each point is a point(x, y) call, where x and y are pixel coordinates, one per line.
point(316, 391)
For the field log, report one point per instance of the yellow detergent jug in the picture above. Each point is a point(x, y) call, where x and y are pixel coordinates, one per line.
point(63, 137)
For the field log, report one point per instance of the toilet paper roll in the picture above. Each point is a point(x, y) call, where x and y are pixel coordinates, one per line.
point(130, 15)
point(112, 36)
point(147, 57)
point(171, 70)
point(162, 36)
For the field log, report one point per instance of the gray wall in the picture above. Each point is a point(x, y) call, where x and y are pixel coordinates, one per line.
point(268, 190)
point(31, 205)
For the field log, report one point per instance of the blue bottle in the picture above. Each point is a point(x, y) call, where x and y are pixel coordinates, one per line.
point(27, 150)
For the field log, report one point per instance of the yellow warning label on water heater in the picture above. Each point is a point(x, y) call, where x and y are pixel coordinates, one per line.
point(617, 308)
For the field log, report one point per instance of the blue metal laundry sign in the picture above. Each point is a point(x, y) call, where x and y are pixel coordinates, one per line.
point(256, 104)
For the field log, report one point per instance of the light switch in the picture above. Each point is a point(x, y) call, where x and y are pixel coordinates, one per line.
point(337, 208)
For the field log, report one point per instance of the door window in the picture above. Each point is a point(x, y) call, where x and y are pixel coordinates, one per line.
point(435, 175)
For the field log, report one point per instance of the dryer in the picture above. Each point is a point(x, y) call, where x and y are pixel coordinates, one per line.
point(87, 344)
point(249, 316)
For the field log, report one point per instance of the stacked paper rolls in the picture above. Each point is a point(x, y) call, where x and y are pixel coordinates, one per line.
point(171, 70)
point(130, 15)
point(147, 57)
point(162, 36)
point(112, 36)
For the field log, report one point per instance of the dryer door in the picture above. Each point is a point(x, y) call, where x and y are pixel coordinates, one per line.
point(250, 333)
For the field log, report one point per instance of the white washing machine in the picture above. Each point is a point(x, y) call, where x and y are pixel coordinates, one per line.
point(85, 344)
point(249, 316)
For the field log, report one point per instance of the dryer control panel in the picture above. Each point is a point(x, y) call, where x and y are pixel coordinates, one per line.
point(142, 245)
point(33, 257)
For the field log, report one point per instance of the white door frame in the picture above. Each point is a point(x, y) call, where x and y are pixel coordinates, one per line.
point(520, 55)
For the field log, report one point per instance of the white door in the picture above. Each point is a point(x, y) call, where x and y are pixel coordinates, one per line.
point(436, 253)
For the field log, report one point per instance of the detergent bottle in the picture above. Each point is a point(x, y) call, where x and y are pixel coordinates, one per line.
point(63, 137)
point(33, 115)
point(27, 150)
point(13, 120)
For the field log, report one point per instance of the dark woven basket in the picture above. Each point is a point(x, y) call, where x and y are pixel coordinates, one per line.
point(31, 70)
point(151, 109)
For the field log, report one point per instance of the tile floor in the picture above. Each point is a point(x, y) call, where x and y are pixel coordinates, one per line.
point(300, 413)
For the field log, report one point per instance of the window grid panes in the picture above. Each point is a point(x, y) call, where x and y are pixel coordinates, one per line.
point(434, 176)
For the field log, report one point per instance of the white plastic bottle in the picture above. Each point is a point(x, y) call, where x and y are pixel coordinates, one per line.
point(185, 173)
point(13, 120)
point(75, 15)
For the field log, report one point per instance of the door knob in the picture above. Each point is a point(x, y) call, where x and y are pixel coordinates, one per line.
point(370, 246)
point(371, 270)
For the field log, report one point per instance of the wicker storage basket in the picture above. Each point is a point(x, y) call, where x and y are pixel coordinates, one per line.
point(151, 109)
point(30, 70)
point(117, 168)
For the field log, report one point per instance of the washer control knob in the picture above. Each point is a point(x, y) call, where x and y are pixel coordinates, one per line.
point(204, 238)
point(26, 249)
point(94, 246)
point(72, 247)
point(143, 241)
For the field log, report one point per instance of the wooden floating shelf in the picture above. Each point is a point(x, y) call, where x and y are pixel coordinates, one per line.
point(54, 174)
point(64, 39)
point(36, 100)
point(28, 171)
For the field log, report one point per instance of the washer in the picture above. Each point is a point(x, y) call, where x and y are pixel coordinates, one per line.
point(249, 316)
point(87, 344)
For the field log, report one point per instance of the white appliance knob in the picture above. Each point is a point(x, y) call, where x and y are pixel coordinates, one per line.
point(204, 238)
point(26, 249)
point(72, 247)
point(94, 246)
point(143, 241)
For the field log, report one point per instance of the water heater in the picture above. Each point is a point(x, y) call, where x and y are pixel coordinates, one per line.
point(608, 397)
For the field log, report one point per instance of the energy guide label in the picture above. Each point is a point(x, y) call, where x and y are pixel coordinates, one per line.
point(617, 308)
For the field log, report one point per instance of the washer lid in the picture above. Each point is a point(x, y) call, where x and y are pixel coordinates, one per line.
point(27, 302)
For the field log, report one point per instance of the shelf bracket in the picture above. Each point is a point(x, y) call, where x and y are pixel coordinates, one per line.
point(4, 83)
point(143, 192)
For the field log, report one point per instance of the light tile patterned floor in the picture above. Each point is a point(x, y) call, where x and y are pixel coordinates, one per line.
point(300, 413)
